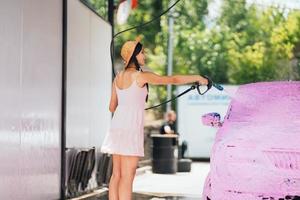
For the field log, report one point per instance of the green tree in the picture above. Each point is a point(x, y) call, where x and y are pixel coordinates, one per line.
point(246, 44)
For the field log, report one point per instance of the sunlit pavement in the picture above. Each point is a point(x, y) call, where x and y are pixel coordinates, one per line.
point(161, 186)
point(179, 186)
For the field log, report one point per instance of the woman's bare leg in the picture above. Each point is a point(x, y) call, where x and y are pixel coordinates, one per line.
point(115, 178)
point(128, 169)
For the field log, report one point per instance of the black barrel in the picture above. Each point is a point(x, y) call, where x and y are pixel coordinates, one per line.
point(164, 153)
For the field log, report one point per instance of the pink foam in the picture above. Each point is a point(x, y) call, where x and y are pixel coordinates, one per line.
point(211, 119)
point(256, 152)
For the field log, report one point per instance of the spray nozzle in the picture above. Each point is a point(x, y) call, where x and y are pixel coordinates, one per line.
point(211, 83)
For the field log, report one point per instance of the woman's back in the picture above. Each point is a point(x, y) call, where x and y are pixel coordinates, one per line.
point(129, 91)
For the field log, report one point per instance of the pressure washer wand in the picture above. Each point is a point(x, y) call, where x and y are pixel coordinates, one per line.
point(196, 85)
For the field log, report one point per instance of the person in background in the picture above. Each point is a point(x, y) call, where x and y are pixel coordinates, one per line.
point(169, 126)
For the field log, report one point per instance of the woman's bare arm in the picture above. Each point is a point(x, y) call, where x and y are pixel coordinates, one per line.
point(155, 79)
point(113, 99)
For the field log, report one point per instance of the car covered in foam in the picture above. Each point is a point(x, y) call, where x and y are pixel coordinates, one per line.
point(256, 152)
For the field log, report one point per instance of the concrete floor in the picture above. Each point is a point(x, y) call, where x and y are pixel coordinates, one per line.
point(143, 197)
point(179, 186)
point(189, 185)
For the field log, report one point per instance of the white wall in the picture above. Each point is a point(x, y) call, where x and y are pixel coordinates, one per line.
point(30, 99)
point(89, 77)
point(30, 92)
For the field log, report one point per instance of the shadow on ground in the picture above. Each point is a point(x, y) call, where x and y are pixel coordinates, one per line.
point(145, 197)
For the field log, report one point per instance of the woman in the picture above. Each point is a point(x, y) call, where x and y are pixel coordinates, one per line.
point(125, 138)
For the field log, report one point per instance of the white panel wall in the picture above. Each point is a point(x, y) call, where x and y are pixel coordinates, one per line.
point(190, 109)
point(30, 99)
point(89, 77)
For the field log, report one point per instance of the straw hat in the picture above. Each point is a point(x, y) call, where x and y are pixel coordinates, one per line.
point(127, 50)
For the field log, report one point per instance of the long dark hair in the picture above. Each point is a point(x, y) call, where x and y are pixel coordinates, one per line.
point(138, 48)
